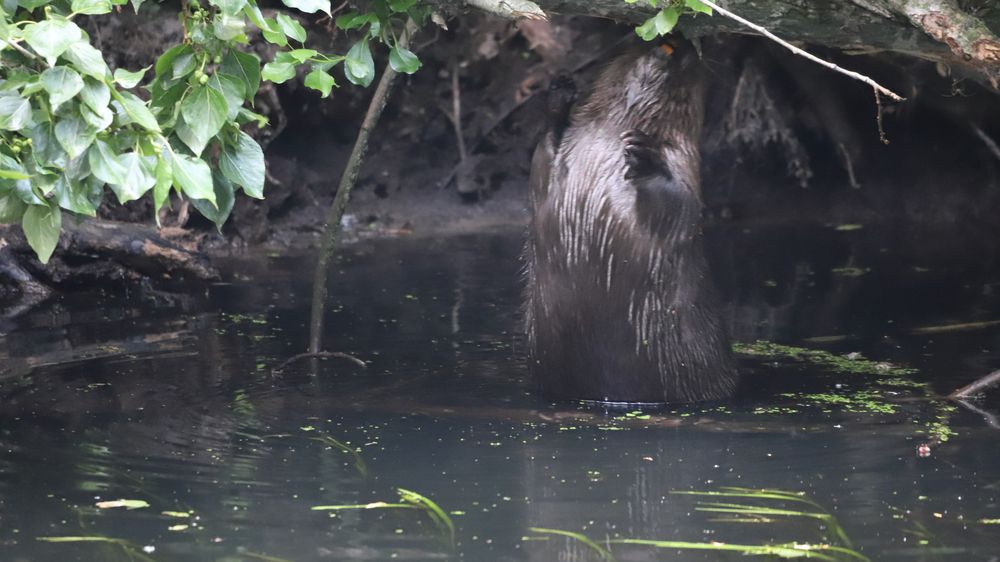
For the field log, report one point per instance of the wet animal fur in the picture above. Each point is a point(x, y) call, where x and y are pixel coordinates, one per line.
point(619, 306)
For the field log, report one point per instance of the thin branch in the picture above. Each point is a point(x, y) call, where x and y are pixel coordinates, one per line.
point(988, 141)
point(337, 354)
point(857, 76)
point(21, 49)
point(332, 229)
point(977, 385)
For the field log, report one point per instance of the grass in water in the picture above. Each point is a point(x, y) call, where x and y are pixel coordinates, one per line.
point(131, 551)
point(838, 548)
point(408, 500)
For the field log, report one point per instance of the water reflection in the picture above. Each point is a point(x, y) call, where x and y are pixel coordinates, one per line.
point(172, 401)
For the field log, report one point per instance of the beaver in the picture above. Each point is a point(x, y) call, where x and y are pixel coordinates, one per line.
point(619, 306)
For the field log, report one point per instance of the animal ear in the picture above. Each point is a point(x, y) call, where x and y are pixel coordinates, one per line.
point(644, 156)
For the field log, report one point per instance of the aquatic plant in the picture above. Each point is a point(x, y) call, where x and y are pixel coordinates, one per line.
point(408, 500)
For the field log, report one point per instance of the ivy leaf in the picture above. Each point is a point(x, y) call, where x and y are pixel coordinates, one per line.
point(647, 30)
point(291, 28)
point(698, 6)
point(217, 211)
point(309, 6)
point(45, 147)
point(13, 175)
point(98, 120)
point(359, 66)
point(104, 164)
point(74, 196)
point(402, 59)
point(137, 110)
point(278, 72)
point(187, 135)
point(232, 89)
point(161, 189)
point(86, 59)
point(298, 55)
point(51, 37)
point(91, 7)
point(666, 20)
point(62, 83)
point(227, 27)
point(273, 34)
point(243, 164)
point(15, 111)
point(95, 95)
point(193, 176)
point(127, 79)
point(245, 67)
point(401, 5)
point(230, 7)
point(319, 80)
point(184, 64)
point(352, 20)
point(11, 208)
point(74, 135)
point(165, 63)
point(41, 225)
point(204, 111)
point(139, 176)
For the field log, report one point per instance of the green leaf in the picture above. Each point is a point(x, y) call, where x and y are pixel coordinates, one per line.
point(139, 176)
point(51, 37)
point(127, 79)
point(309, 6)
point(227, 28)
point(104, 164)
point(187, 135)
point(218, 211)
point(292, 28)
point(164, 179)
point(91, 7)
point(298, 55)
point(401, 5)
point(13, 175)
point(86, 59)
point(137, 110)
point(11, 208)
point(243, 164)
point(232, 89)
point(45, 147)
point(666, 20)
point(698, 6)
point(403, 60)
point(41, 225)
point(278, 72)
point(15, 111)
point(353, 20)
point(273, 34)
point(230, 7)
point(75, 196)
point(164, 65)
point(245, 67)
point(95, 95)
point(74, 135)
point(193, 176)
point(204, 111)
point(647, 30)
point(98, 120)
point(359, 66)
point(62, 83)
point(184, 64)
point(322, 81)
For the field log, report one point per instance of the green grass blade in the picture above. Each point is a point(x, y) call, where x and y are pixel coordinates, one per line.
point(584, 539)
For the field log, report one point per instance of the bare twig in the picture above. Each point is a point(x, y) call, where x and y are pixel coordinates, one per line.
point(989, 418)
point(21, 49)
point(337, 354)
point(988, 141)
point(332, 229)
point(802, 53)
point(456, 111)
point(976, 386)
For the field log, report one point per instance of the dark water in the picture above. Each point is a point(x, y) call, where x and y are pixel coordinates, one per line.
point(171, 400)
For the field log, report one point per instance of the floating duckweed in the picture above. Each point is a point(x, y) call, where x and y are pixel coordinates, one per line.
point(852, 363)
point(863, 402)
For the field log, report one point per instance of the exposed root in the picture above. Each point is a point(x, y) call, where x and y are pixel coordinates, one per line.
point(318, 354)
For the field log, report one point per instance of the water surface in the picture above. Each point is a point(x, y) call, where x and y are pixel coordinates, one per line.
point(171, 400)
